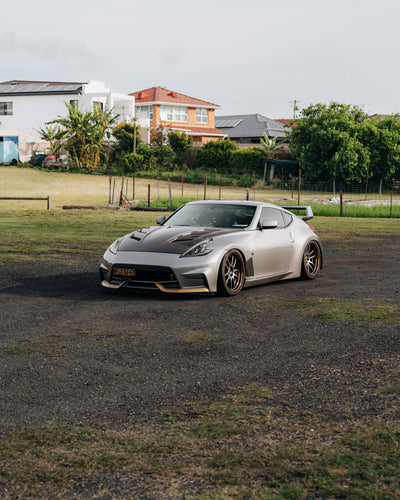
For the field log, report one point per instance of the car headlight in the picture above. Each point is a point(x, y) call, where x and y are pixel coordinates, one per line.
point(113, 248)
point(199, 249)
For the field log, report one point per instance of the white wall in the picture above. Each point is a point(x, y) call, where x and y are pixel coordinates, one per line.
point(30, 113)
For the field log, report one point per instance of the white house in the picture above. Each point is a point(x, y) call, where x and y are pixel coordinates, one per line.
point(26, 106)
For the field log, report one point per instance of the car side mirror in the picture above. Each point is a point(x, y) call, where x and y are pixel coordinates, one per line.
point(269, 224)
point(160, 219)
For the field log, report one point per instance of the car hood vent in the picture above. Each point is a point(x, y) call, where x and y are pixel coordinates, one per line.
point(173, 239)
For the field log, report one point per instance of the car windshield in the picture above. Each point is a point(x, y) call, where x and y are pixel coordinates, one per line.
point(213, 215)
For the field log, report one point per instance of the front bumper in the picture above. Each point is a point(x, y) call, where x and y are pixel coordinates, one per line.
point(141, 271)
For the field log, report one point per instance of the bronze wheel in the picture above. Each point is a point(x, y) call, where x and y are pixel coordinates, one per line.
point(311, 264)
point(231, 273)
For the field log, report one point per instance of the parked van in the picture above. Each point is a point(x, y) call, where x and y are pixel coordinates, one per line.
point(9, 150)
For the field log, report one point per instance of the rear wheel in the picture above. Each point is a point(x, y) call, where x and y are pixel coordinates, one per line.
point(231, 273)
point(311, 263)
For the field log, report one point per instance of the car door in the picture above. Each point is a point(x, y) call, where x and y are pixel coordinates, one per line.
point(273, 247)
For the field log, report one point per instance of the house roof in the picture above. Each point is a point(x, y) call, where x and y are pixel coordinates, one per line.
point(24, 87)
point(249, 126)
point(161, 95)
point(287, 122)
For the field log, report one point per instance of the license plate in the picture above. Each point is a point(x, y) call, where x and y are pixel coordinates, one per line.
point(124, 273)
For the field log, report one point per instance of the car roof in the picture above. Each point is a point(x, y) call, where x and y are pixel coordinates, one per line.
point(235, 202)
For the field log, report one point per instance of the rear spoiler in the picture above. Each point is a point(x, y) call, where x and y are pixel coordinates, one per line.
point(309, 213)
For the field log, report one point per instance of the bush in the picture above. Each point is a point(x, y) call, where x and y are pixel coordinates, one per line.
point(132, 161)
point(216, 156)
point(165, 156)
point(248, 161)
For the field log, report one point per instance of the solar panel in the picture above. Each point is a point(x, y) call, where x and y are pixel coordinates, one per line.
point(38, 87)
point(231, 123)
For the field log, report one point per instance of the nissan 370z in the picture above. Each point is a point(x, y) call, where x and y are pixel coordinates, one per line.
point(215, 247)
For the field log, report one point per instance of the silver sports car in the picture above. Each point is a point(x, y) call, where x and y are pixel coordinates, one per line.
point(216, 247)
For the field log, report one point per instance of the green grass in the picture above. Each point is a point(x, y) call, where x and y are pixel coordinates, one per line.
point(68, 235)
point(240, 446)
point(63, 235)
point(80, 189)
point(383, 313)
point(356, 210)
point(243, 445)
point(53, 345)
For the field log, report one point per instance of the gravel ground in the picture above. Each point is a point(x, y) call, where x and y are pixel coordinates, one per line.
point(73, 352)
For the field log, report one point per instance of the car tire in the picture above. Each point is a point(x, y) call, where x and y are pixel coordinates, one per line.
point(311, 262)
point(231, 275)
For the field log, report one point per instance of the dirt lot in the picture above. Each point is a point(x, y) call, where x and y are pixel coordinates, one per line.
point(73, 352)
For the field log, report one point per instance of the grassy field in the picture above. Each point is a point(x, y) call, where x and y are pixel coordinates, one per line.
point(245, 445)
point(31, 234)
point(98, 190)
point(240, 447)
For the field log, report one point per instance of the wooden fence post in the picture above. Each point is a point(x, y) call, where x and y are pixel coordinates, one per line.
point(341, 203)
point(170, 194)
point(298, 194)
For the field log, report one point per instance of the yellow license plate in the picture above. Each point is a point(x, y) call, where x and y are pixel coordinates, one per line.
point(124, 273)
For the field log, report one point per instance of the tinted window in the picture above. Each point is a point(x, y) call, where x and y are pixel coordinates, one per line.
point(281, 217)
point(213, 215)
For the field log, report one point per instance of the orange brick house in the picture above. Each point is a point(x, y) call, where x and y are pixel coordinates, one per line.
point(161, 107)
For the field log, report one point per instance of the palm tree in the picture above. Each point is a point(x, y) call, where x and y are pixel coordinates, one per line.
point(83, 134)
point(270, 147)
point(52, 135)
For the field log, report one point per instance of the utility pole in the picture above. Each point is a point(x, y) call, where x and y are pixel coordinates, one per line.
point(295, 107)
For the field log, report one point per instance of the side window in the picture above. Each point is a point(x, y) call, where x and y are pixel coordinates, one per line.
point(283, 218)
point(287, 218)
point(6, 108)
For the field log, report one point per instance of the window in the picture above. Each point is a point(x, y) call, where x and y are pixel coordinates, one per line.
point(201, 115)
point(6, 108)
point(173, 114)
point(283, 218)
point(97, 105)
point(74, 103)
point(145, 112)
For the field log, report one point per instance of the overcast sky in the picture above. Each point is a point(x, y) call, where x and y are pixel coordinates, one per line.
point(254, 56)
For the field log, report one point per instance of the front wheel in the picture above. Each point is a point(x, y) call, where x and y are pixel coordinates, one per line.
point(311, 263)
point(231, 273)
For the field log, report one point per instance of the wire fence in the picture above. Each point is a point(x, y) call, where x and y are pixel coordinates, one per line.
point(134, 191)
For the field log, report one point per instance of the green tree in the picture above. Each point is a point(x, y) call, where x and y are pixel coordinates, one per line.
point(248, 161)
point(382, 138)
point(181, 144)
point(53, 136)
point(165, 156)
point(179, 141)
point(270, 147)
point(158, 136)
point(217, 156)
point(127, 136)
point(327, 143)
point(84, 134)
point(132, 162)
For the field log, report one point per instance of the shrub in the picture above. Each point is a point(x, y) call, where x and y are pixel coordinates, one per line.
point(248, 161)
point(132, 161)
point(216, 156)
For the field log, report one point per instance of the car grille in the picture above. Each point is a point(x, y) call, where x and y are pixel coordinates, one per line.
point(144, 276)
